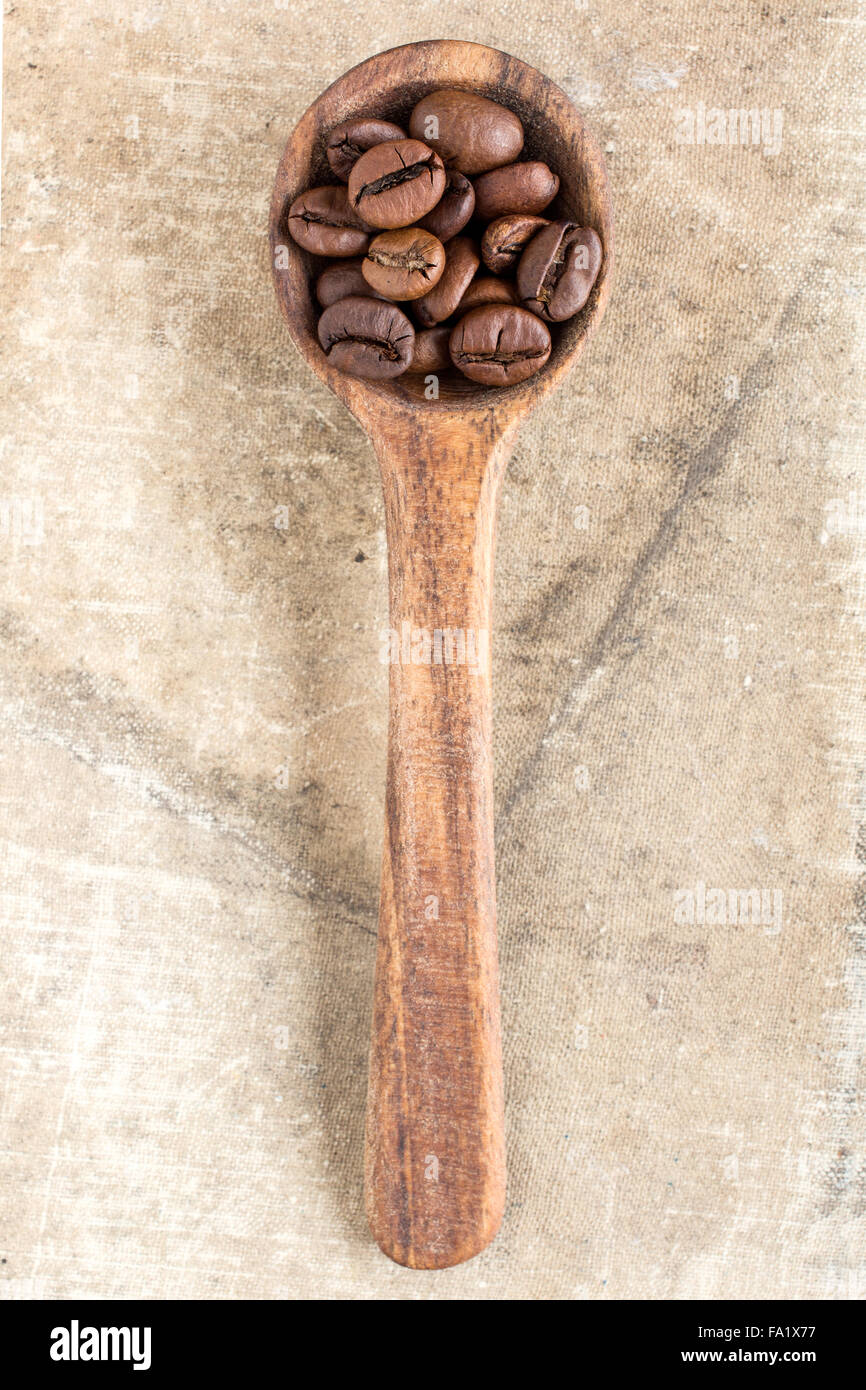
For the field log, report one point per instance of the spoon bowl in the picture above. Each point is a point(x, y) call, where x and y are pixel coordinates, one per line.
point(435, 1161)
point(391, 84)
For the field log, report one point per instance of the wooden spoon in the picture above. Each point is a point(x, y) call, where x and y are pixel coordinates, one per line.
point(435, 1164)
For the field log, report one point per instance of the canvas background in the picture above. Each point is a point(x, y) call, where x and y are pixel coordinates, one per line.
point(187, 945)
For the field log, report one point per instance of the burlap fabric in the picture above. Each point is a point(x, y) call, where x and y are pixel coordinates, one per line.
point(193, 587)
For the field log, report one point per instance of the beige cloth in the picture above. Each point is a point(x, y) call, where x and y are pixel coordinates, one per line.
point(194, 708)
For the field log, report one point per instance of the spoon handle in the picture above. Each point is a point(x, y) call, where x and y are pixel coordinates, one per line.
point(435, 1164)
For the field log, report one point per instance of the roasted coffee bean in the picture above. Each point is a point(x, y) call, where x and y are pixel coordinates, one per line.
point(431, 351)
point(487, 289)
point(404, 264)
point(398, 233)
point(349, 140)
point(504, 241)
point(468, 131)
point(322, 221)
point(454, 208)
point(367, 337)
point(394, 184)
point(339, 280)
point(558, 269)
point(461, 262)
point(498, 345)
point(516, 188)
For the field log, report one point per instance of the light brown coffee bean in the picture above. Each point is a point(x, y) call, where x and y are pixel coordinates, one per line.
point(526, 188)
point(404, 264)
point(487, 289)
point(454, 208)
point(339, 280)
point(349, 140)
point(469, 131)
point(322, 221)
point(367, 337)
point(431, 351)
point(504, 241)
point(499, 345)
point(558, 269)
point(461, 262)
point(392, 185)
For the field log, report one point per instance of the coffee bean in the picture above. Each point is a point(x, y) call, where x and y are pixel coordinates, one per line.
point(367, 337)
point(468, 131)
point(322, 221)
point(349, 140)
point(397, 233)
point(461, 262)
point(431, 351)
point(516, 188)
point(504, 241)
point(498, 345)
point(394, 184)
point(487, 289)
point(454, 208)
point(558, 269)
point(339, 280)
point(404, 264)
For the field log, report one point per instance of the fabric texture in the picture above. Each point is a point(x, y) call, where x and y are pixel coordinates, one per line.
point(194, 708)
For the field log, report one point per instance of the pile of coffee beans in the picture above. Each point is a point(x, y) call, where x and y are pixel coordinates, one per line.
point(445, 220)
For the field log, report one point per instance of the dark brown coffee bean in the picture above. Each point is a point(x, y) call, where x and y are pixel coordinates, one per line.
point(504, 241)
point(487, 289)
point(394, 184)
point(367, 337)
point(461, 262)
point(454, 208)
point(322, 221)
point(498, 345)
point(404, 264)
point(431, 351)
point(339, 280)
point(558, 269)
point(349, 140)
point(516, 188)
point(467, 130)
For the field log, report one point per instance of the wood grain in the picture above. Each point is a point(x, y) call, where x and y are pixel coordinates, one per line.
point(435, 1164)
point(435, 1153)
